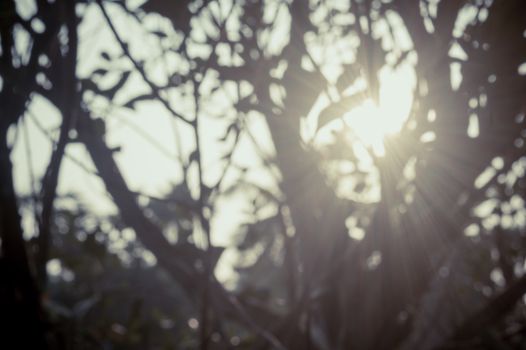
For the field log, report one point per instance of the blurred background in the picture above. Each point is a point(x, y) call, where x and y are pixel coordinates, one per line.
point(272, 174)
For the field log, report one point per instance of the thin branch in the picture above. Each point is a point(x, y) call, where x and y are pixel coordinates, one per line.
point(229, 162)
point(176, 260)
point(492, 312)
point(46, 133)
point(148, 138)
point(95, 173)
point(67, 108)
point(205, 225)
point(32, 181)
point(155, 89)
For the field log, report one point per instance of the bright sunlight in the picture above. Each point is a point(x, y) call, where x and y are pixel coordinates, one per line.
point(372, 122)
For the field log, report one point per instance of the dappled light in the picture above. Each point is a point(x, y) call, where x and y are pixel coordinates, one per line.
point(274, 174)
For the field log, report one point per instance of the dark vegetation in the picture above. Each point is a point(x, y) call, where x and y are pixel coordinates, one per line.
point(441, 261)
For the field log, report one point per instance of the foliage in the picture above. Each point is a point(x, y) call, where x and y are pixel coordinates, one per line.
point(416, 243)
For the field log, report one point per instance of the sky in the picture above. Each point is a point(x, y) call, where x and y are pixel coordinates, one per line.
point(151, 140)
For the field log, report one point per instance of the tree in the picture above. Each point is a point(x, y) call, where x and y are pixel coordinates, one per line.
point(433, 259)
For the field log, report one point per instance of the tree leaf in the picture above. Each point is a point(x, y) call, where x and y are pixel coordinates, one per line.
point(131, 103)
point(193, 156)
point(105, 56)
point(229, 129)
point(110, 93)
point(100, 71)
point(159, 34)
point(338, 109)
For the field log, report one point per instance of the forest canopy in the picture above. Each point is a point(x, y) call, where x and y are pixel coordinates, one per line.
point(262, 174)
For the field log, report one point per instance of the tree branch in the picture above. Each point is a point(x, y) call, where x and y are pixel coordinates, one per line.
point(67, 107)
point(139, 67)
point(491, 313)
point(177, 260)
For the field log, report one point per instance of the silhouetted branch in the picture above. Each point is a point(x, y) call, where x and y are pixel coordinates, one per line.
point(29, 156)
point(491, 313)
point(139, 67)
point(67, 108)
point(175, 259)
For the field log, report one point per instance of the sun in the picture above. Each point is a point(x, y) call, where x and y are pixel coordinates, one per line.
point(372, 122)
point(369, 122)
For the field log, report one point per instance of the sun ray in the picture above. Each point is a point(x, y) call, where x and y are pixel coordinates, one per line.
point(372, 121)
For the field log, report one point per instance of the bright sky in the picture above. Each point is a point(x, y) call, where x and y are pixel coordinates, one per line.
point(148, 160)
point(372, 122)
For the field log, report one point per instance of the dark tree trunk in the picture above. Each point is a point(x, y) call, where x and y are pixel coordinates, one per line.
point(21, 316)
